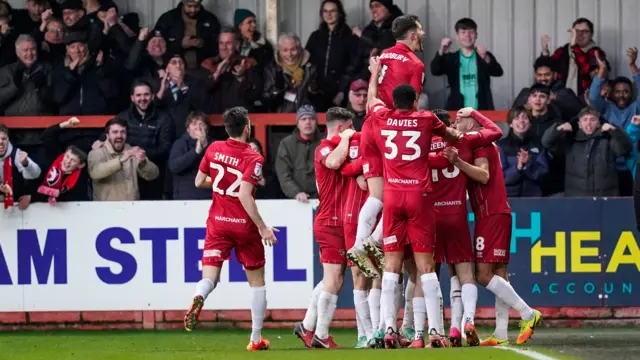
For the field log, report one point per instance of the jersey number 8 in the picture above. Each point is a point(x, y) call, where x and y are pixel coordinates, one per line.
point(409, 144)
point(232, 190)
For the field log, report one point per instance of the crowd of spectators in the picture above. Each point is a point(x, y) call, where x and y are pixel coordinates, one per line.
point(573, 132)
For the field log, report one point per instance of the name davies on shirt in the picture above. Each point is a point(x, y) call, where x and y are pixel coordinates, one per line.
point(402, 122)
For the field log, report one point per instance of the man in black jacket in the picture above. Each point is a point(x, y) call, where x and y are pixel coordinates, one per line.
point(150, 128)
point(468, 70)
point(190, 31)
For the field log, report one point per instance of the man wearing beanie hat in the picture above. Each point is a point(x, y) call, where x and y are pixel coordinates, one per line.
point(191, 31)
point(294, 162)
point(254, 44)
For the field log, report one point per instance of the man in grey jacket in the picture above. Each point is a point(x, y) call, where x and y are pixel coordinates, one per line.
point(294, 162)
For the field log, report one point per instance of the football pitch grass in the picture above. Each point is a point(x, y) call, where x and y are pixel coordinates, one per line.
point(222, 344)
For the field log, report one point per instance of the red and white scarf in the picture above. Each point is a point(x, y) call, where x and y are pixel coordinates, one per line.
point(56, 183)
point(7, 175)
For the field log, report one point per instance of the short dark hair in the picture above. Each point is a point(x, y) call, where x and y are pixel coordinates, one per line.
point(404, 97)
point(115, 121)
point(235, 119)
point(516, 111)
point(4, 129)
point(584, 21)
point(539, 88)
point(140, 82)
point(622, 80)
point(588, 111)
point(402, 25)
point(258, 145)
point(229, 30)
point(466, 24)
point(82, 156)
point(338, 114)
point(195, 115)
point(543, 61)
point(443, 115)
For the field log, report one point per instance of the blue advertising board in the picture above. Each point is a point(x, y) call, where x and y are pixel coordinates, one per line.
point(564, 252)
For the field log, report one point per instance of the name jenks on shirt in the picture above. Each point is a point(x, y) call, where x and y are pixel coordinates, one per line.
point(402, 122)
point(394, 56)
point(229, 160)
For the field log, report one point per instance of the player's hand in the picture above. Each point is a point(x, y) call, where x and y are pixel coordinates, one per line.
point(347, 134)
point(268, 235)
point(6, 190)
point(444, 45)
point(465, 112)
point(566, 127)
point(302, 197)
point(451, 154)
point(607, 127)
point(23, 158)
point(362, 183)
point(71, 123)
point(374, 65)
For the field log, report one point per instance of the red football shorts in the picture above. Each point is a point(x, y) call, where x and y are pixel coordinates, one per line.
point(372, 166)
point(248, 247)
point(453, 239)
point(409, 218)
point(493, 239)
point(331, 241)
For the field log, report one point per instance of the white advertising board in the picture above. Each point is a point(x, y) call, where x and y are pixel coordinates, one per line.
point(99, 256)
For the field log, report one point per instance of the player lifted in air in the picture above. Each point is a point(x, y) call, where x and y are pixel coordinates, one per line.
point(488, 197)
point(403, 137)
point(453, 240)
point(232, 169)
point(399, 65)
point(328, 226)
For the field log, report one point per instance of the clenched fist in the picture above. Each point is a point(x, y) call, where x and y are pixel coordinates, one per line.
point(23, 158)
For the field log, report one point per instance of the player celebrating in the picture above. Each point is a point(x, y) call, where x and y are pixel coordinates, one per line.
point(399, 65)
point(452, 239)
point(404, 136)
point(492, 233)
point(328, 224)
point(234, 220)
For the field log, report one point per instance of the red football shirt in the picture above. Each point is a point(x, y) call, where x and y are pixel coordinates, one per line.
point(489, 199)
point(448, 183)
point(399, 66)
point(228, 163)
point(331, 188)
point(356, 197)
point(404, 140)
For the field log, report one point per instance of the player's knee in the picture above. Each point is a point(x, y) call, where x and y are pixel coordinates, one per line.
point(465, 273)
point(360, 282)
point(393, 262)
point(255, 275)
point(484, 274)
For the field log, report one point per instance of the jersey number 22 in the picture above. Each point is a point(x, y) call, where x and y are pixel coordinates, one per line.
point(232, 190)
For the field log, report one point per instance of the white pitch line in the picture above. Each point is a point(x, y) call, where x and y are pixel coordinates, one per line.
point(530, 353)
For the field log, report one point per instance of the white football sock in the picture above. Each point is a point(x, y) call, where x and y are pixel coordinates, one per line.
point(502, 289)
point(367, 220)
point(363, 316)
point(502, 319)
point(311, 316)
point(469, 301)
point(204, 287)
point(407, 319)
point(419, 315)
point(441, 302)
point(326, 308)
point(381, 323)
point(374, 307)
point(387, 302)
point(430, 287)
point(377, 233)
point(258, 308)
point(456, 303)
